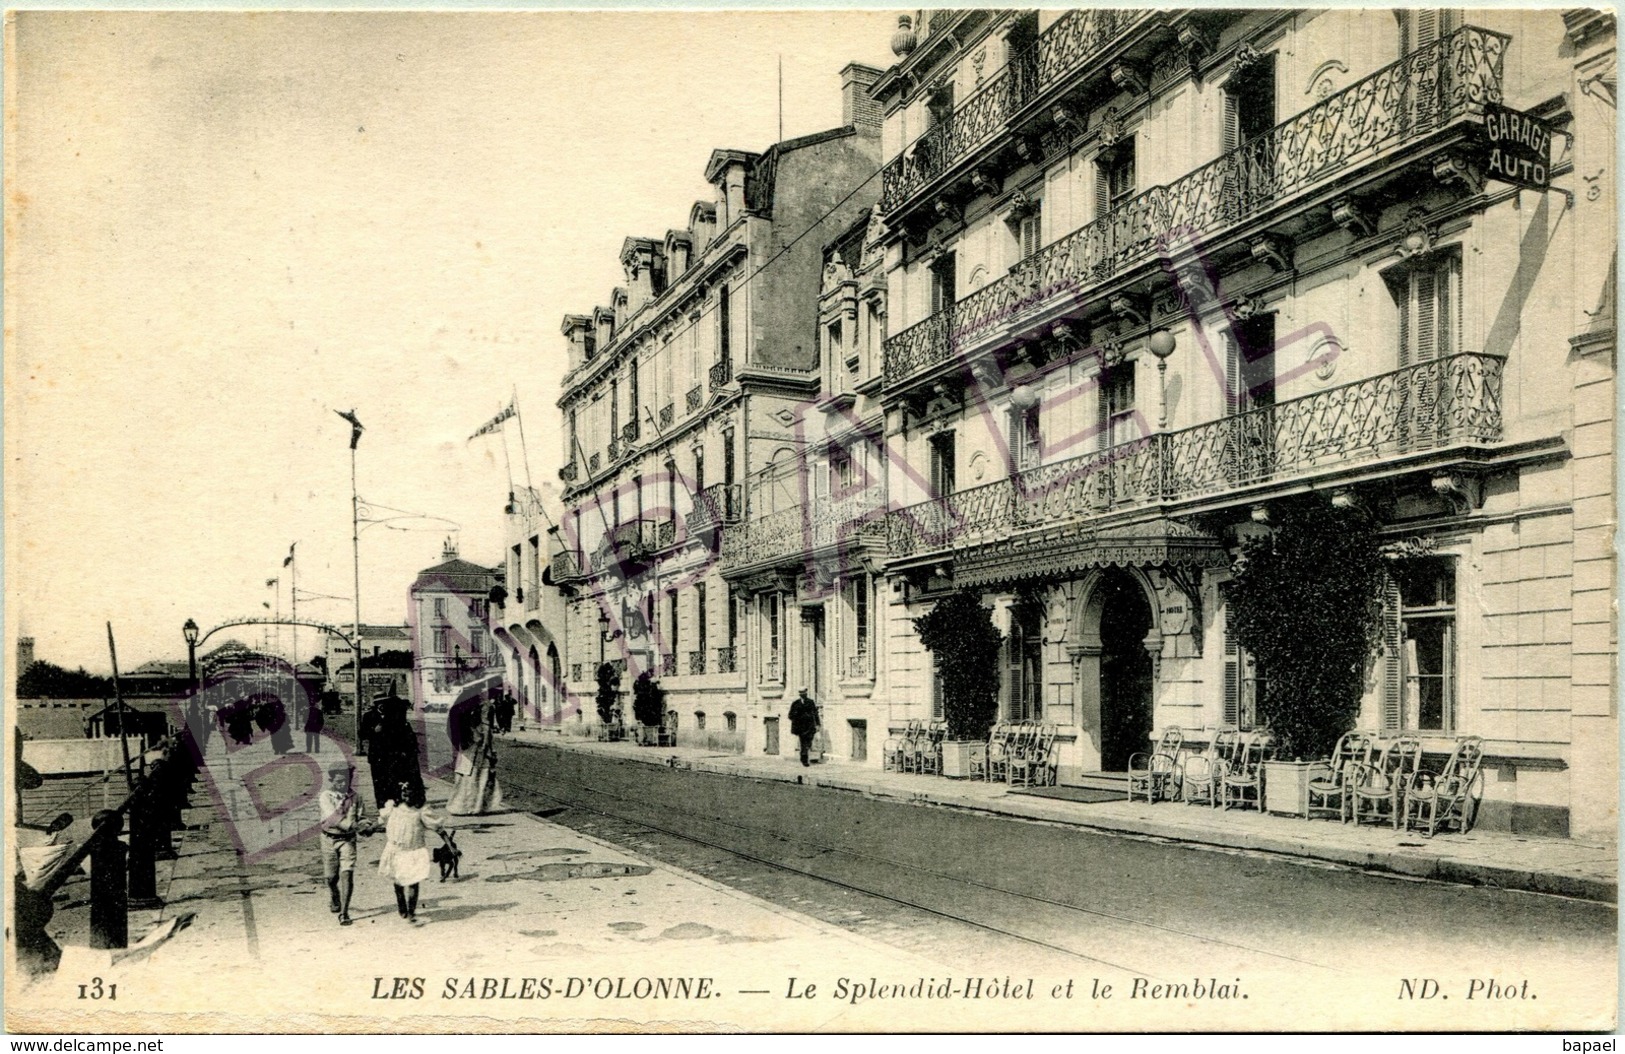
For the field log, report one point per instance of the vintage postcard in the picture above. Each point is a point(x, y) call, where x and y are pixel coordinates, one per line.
point(813, 520)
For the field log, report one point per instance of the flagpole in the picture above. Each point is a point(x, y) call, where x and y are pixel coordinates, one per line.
point(523, 453)
point(355, 550)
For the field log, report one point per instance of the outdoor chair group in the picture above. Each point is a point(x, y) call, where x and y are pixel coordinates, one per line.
point(1228, 772)
point(918, 749)
point(1369, 778)
point(1021, 754)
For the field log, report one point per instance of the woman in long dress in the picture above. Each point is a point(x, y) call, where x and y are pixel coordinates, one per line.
point(475, 790)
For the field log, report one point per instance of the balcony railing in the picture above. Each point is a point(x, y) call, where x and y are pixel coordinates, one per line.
point(666, 415)
point(666, 534)
point(696, 661)
point(857, 667)
point(568, 473)
point(668, 666)
point(1075, 38)
point(614, 449)
point(791, 533)
point(575, 671)
point(630, 541)
point(718, 503)
point(566, 567)
point(726, 659)
point(1430, 406)
point(629, 431)
point(1418, 95)
point(721, 373)
point(692, 400)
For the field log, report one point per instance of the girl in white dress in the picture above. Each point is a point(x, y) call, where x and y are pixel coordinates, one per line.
point(406, 859)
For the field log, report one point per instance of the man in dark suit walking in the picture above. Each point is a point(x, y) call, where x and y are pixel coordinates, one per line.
point(804, 722)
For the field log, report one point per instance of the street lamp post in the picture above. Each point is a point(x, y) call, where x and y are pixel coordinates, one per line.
point(355, 549)
point(1162, 346)
point(189, 631)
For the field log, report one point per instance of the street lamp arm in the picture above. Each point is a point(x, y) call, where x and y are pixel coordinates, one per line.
point(325, 627)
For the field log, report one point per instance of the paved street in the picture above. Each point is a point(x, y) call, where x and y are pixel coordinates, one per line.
point(969, 888)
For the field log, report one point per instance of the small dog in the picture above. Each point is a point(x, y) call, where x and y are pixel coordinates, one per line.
point(447, 855)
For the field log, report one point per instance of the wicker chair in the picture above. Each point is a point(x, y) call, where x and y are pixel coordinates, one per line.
point(1199, 774)
point(1035, 764)
point(1155, 774)
point(1435, 801)
point(1378, 789)
point(1243, 781)
point(1329, 792)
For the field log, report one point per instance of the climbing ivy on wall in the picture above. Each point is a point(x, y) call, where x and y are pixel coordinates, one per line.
point(1307, 604)
point(960, 635)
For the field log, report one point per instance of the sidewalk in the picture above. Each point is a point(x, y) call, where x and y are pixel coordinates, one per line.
point(1559, 866)
point(545, 928)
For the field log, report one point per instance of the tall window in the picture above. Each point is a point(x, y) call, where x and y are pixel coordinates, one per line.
point(1428, 295)
point(671, 624)
point(442, 641)
point(1423, 26)
point(943, 282)
point(699, 621)
point(855, 597)
point(632, 411)
point(840, 472)
point(942, 464)
point(733, 619)
point(699, 470)
point(1026, 440)
point(1114, 177)
point(1117, 405)
point(1419, 614)
point(724, 328)
point(575, 442)
point(728, 457)
point(614, 410)
point(1242, 683)
point(1028, 230)
point(1026, 663)
point(476, 642)
point(439, 607)
point(771, 670)
point(1249, 113)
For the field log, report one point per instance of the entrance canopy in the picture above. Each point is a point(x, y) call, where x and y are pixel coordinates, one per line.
point(1070, 551)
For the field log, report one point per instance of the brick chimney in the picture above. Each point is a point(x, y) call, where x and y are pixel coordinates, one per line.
point(858, 108)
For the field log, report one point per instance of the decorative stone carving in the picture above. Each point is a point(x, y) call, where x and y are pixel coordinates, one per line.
point(1459, 169)
point(1349, 215)
point(1417, 236)
point(1129, 307)
point(977, 61)
point(1111, 127)
point(1464, 491)
point(1195, 44)
point(1129, 79)
point(1274, 250)
point(903, 41)
point(984, 183)
point(1246, 56)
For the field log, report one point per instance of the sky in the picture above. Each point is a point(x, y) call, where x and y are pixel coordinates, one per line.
point(221, 228)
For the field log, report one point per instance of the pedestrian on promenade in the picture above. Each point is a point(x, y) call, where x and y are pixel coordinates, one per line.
point(804, 722)
point(406, 859)
point(400, 743)
point(371, 742)
point(472, 727)
point(341, 823)
point(314, 723)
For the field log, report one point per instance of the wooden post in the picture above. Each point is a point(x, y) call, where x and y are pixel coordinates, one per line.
point(143, 878)
point(109, 913)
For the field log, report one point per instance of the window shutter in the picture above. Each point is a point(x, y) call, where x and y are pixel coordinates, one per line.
point(1103, 419)
point(1425, 298)
point(1232, 675)
point(1427, 26)
point(1017, 447)
point(1103, 198)
point(1393, 674)
point(1235, 396)
point(1232, 122)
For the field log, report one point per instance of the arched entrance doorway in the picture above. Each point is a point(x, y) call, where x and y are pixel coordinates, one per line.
point(1125, 670)
point(555, 687)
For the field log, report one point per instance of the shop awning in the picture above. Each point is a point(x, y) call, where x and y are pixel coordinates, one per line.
point(1061, 554)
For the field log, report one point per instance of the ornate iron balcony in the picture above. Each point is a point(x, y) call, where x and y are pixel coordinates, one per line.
point(575, 671)
point(721, 373)
point(614, 449)
point(858, 666)
point(668, 666)
point(666, 415)
point(725, 660)
point(696, 661)
point(666, 534)
point(693, 399)
point(566, 567)
point(718, 503)
point(629, 431)
point(1444, 82)
point(790, 534)
point(1076, 38)
point(568, 473)
point(1430, 406)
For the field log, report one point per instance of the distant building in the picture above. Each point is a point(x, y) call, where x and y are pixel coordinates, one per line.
point(375, 641)
point(25, 654)
point(450, 627)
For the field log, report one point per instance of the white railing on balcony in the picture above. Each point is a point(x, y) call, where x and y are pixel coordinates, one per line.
point(790, 533)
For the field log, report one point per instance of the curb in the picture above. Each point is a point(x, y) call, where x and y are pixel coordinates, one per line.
point(1427, 867)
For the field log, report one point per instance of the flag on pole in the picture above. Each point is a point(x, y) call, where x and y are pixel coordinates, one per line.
point(355, 426)
point(289, 558)
point(269, 582)
point(496, 422)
